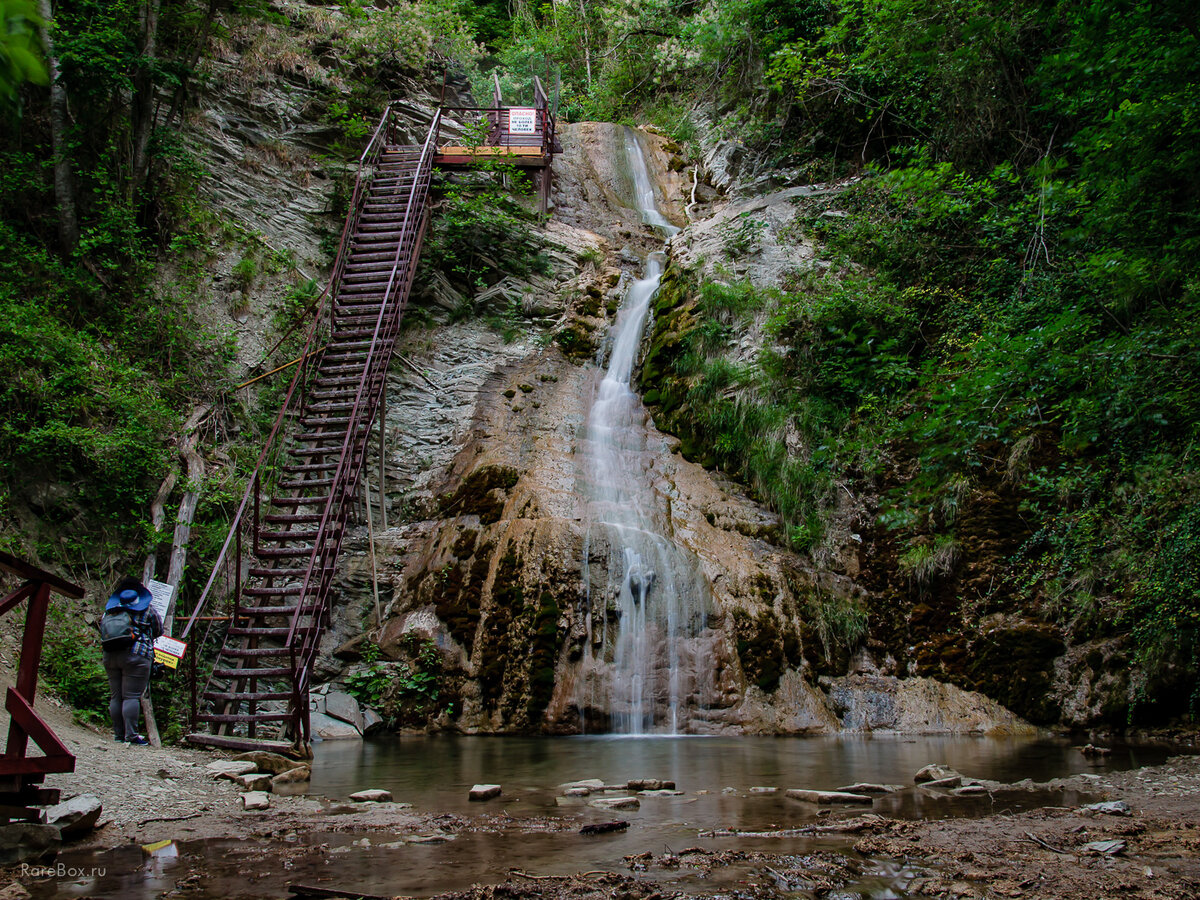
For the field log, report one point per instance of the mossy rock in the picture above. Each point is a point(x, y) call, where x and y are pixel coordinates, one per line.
point(510, 393)
point(1015, 667)
point(482, 493)
point(760, 647)
point(577, 343)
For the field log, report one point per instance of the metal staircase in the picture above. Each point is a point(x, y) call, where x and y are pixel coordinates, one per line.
point(281, 552)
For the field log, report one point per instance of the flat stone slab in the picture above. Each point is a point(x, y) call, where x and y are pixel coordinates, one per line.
point(484, 792)
point(970, 790)
point(868, 787)
point(760, 789)
point(661, 792)
point(592, 784)
point(231, 767)
point(343, 706)
point(615, 803)
point(650, 784)
point(75, 817)
point(952, 781)
point(577, 792)
point(827, 797)
point(256, 800)
point(374, 795)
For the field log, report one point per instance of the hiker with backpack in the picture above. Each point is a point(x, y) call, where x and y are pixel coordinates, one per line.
point(127, 633)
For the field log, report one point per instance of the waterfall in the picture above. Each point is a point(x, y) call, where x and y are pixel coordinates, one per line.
point(652, 603)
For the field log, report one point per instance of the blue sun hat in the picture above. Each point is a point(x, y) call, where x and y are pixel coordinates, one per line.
point(129, 593)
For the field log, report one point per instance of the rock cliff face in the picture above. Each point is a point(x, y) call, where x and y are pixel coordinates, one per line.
point(490, 556)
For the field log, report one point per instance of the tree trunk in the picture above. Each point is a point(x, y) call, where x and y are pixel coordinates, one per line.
point(64, 178)
point(143, 97)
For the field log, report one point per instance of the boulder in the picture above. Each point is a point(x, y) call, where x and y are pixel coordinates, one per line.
point(230, 767)
point(75, 817)
point(298, 775)
point(256, 800)
point(484, 792)
point(935, 772)
point(828, 797)
point(373, 795)
point(24, 842)
point(273, 763)
point(328, 728)
point(372, 722)
point(615, 803)
point(344, 707)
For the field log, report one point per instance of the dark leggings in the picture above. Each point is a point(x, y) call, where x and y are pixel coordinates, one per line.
point(128, 675)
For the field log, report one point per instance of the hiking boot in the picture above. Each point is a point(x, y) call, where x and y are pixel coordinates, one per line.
point(137, 739)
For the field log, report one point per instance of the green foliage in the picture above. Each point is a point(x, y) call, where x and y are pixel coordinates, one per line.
point(840, 622)
point(71, 666)
point(406, 691)
point(20, 49)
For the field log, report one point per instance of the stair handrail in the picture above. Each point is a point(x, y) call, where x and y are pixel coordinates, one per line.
point(365, 163)
point(346, 474)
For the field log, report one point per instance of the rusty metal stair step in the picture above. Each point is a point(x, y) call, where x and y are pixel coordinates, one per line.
point(255, 652)
point(283, 518)
point(289, 590)
point(307, 485)
point(243, 674)
point(256, 696)
point(371, 257)
point(283, 572)
point(309, 467)
point(286, 610)
point(287, 536)
point(244, 717)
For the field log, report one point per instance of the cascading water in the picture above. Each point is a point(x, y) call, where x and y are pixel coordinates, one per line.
point(652, 605)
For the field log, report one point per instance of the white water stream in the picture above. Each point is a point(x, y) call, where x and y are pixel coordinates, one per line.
point(643, 618)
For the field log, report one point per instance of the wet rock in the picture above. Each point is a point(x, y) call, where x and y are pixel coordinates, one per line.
point(867, 787)
point(298, 775)
point(231, 767)
point(951, 781)
point(256, 800)
point(603, 827)
point(1092, 751)
point(592, 784)
point(935, 772)
point(969, 790)
point(827, 797)
point(615, 803)
point(577, 792)
point(650, 784)
point(25, 842)
point(344, 707)
point(372, 722)
point(917, 706)
point(767, 790)
point(484, 792)
point(328, 728)
point(252, 781)
point(75, 817)
point(1103, 848)
point(272, 763)
point(15, 891)
point(1111, 808)
point(372, 795)
point(435, 838)
point(661, 792)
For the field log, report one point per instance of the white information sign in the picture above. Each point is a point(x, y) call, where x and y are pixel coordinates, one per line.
point(522, 120)
point(161, 592)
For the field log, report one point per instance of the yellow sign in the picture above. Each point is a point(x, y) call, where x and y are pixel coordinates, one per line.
point(169, 651)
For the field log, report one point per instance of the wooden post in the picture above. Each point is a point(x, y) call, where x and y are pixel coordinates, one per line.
point(382, 462)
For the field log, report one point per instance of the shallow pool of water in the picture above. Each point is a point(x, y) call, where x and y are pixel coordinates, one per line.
point(716, 774)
